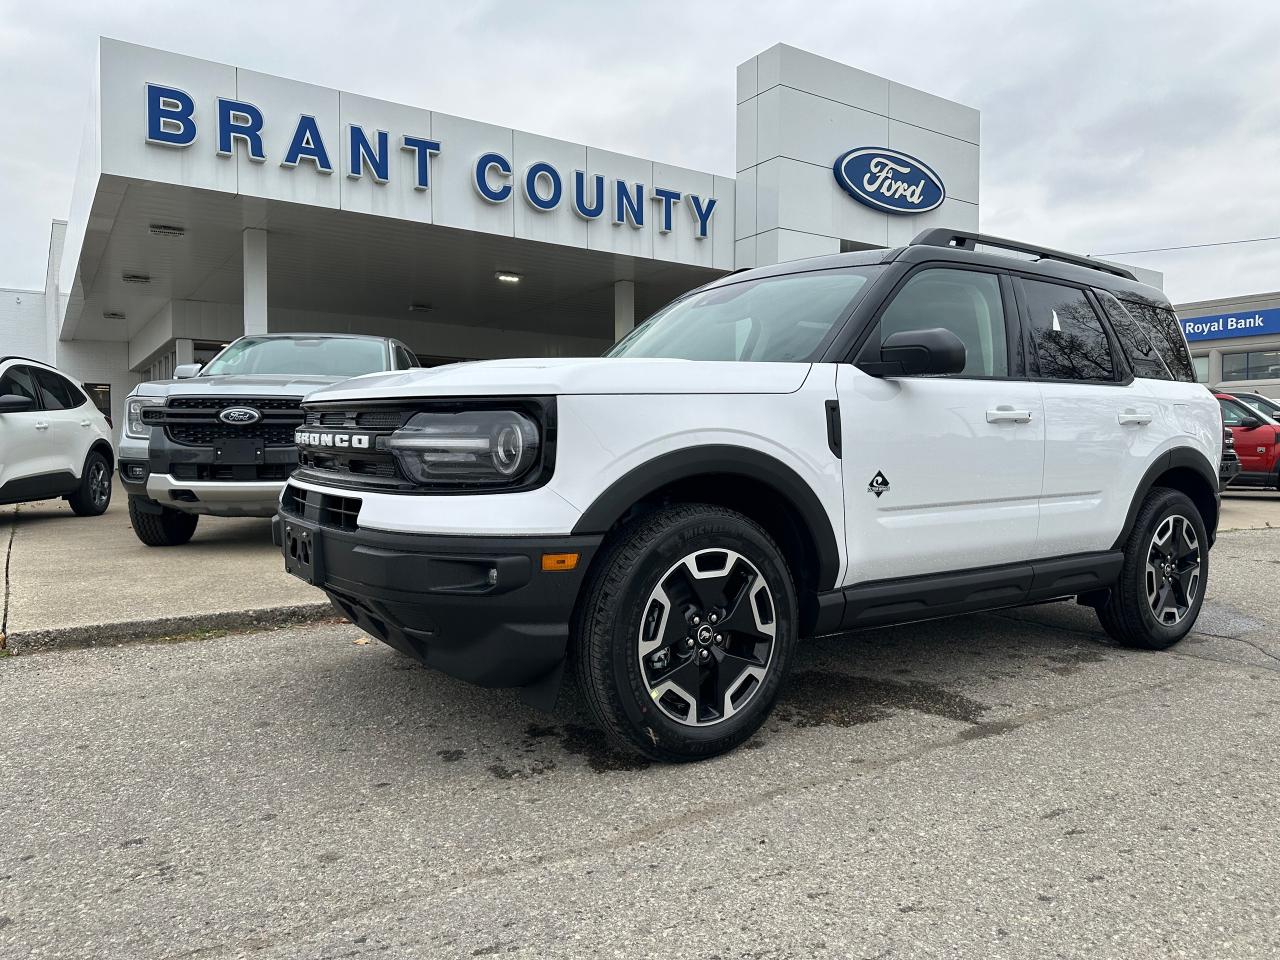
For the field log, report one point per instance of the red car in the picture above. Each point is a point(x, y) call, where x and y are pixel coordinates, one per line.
point(1256, 437)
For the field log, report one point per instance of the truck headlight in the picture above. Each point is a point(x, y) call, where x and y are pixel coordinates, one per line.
point(469, 447)
point(134, 428)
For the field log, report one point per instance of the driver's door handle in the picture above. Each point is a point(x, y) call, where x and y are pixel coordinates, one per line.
point(1007, 414)
point(42, 424)
point(86, 423)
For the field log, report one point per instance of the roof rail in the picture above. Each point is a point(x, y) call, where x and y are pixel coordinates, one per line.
point(43, 363)
point(963, 240)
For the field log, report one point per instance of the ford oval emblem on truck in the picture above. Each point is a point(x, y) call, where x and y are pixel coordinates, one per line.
point(240, 416)
point(889, 180)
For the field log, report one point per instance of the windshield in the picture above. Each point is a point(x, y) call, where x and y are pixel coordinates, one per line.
point(300, 356)
point(774, 319)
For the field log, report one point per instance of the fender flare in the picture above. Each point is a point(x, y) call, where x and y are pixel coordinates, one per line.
point(1178, 457)
point(719, 459)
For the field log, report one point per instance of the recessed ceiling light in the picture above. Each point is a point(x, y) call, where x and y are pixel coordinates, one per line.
point(506, 277)
point(166, 230)
point(135, 278)
point(419, 307)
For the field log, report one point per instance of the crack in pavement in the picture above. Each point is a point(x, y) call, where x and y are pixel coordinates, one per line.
point(708, 811)
point(1172, 651)
point(8, 555)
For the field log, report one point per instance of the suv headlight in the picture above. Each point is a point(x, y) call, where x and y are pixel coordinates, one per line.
point(134, 428)
point(468, 448)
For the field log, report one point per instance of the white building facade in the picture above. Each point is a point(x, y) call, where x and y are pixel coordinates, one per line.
point(212, 201)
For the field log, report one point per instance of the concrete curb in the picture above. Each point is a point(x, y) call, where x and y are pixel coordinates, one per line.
point(110, 634)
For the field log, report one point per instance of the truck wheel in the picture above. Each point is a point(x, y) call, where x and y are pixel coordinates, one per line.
point(1163, 579)
point(168, 528)
point(685, 632)
point(93, 496)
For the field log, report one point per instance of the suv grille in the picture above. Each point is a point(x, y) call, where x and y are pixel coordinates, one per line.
point(193, 421)
point(370, 466)
point(327, 509)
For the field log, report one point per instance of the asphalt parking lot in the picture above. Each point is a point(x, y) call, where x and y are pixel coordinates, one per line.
point(1006, 785)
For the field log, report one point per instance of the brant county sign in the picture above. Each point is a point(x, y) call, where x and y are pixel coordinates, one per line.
point(173, 120)
point(889, 181)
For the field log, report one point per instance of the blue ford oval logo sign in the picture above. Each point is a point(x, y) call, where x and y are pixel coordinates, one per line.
point(240, 416)
point(889, 180)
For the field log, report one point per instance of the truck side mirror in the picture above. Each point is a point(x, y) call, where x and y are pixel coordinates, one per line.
point(185, 371)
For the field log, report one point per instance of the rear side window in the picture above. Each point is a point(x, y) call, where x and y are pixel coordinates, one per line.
point(19, 382)
point(1067, 337)
point(1134, 341)
point(966, 302)
point(59, 392)
point(1162, 327)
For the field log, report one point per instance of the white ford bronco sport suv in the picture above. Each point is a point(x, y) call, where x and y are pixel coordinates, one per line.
point(795, 450)
point(218, 440)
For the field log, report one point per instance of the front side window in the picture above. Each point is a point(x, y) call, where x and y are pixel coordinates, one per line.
point(773, 319)
point(1067, 338)
point(299, 356)
point(1234, 414)
point(19, 383)
point(966, 302)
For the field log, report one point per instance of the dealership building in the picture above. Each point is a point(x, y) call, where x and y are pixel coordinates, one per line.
point(212, 201)
point(1235, 343)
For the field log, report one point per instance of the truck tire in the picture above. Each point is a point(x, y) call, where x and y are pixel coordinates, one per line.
point(93, 496)
point(1162, 582)
point(168, 528)
point(685, 632)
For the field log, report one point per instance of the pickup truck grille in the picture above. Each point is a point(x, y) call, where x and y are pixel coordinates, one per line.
point(193, 421)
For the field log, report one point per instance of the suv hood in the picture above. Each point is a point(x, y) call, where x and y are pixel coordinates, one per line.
point(568, 376)
point(282, 385)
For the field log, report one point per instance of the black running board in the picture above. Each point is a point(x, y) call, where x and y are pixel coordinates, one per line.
point(925, 597)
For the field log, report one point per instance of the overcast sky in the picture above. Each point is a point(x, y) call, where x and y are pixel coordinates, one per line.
point(1106, 126)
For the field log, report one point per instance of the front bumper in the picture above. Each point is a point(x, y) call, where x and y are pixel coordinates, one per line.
point(1228, 470)
point(205, 479)
point(478, 608)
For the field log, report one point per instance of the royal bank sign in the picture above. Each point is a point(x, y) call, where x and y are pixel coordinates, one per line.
point(174, 122)
point(889, 181)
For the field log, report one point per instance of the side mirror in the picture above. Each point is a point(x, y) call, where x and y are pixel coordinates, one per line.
point(1251, 423)
point(185, 371)
point(12, 403)
point(910, 353)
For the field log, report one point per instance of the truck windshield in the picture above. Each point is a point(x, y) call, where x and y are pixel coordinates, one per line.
point(778, 319)
point(300, 356)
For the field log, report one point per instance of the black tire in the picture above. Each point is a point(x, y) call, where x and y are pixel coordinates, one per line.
point(93, 496)
point(168, 528)
point(741, 668)
point(1129, 613)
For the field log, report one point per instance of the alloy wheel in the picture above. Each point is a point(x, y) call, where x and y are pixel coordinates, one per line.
point(1173, 570)
point(707, 637)
point(99, 483)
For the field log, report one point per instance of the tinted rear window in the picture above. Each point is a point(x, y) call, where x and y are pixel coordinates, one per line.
point(1161, 326)
point(1141, 353)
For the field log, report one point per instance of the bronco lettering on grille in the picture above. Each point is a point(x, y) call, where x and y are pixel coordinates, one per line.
point(356, 441)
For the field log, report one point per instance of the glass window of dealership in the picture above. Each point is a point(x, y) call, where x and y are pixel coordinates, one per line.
point(1235, 342)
